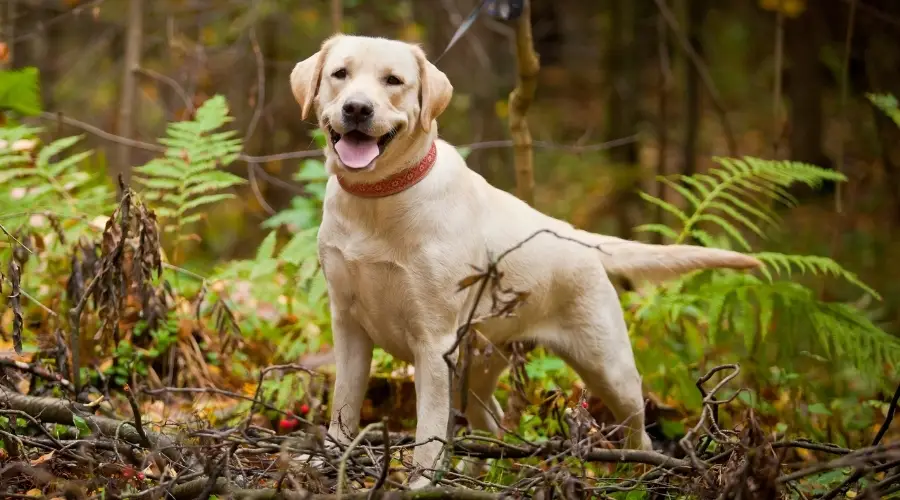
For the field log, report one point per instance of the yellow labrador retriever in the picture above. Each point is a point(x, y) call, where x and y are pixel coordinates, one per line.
point(404, 218)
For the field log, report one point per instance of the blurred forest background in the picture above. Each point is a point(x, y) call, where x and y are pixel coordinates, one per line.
point(628, 90)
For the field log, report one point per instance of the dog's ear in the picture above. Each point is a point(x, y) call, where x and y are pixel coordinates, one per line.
point(307, 75)
point(435, 90)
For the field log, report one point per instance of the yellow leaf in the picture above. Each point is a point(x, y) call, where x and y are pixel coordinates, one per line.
point(412, 32)
point(501, 109)
point(209, 36)
point(36, 492)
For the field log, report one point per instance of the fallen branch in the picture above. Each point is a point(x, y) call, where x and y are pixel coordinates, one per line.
point(37, 371)
point(58, 411)
point(190, 490)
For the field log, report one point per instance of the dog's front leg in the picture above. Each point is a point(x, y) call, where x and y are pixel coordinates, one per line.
point(353, 360)
point(432, 405)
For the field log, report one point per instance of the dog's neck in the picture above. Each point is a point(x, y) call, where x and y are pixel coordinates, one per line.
point(412, 160)
point(400, 181)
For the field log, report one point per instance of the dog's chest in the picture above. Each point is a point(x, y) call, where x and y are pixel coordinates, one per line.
point(394, 289)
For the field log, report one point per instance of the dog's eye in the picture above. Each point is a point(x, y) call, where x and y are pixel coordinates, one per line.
point(393, 80)
point(340, 74)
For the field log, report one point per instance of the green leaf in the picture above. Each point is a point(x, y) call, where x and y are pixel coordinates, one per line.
point(657, 228)
point(668, 207)
point(818, 409)
point(20, 91)
point(54, 148)
point(266, 249)
point(731, 230)
point(204, 200)
point(312, 170)
point(81, 426)
point(887, 103)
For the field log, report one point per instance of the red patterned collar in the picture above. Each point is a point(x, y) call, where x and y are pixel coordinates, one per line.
point(396, 183)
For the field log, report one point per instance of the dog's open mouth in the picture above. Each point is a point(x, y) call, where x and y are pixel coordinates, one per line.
point(357, 149)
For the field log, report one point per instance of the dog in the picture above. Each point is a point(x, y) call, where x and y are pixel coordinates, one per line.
point(404, 218)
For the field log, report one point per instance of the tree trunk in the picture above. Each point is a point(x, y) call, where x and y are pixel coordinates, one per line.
point(128, 103)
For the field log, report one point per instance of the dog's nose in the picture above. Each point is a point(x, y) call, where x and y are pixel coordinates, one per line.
point(357, 110)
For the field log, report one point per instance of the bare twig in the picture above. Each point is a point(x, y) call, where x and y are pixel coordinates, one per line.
point(136, 413)
point(37, 371)
point(171, 83)
point(889, 418)
point(260, 86)
point(386, 463)
point(342, 470)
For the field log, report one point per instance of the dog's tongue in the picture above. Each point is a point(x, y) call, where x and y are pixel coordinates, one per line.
point(357, 152)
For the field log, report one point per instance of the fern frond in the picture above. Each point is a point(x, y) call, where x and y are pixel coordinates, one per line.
point(742, 304)
point(785, 265)
point(49, 178)
point(887, 103)
point(739, 193)
point(189, 175)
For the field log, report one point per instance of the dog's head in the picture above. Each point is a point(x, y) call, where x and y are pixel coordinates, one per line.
point(374, 97)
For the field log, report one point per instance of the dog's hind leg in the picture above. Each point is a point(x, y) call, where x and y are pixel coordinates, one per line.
point(594, 342)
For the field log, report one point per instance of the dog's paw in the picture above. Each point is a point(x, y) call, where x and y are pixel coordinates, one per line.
point(311, 461)
point(318, 461)
point(470, 467)
point(419, 483)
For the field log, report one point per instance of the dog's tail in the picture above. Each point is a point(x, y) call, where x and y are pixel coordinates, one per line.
point(654, 263)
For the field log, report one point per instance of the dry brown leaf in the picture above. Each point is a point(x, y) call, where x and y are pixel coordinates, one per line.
point(43, 458)
point(469, 281)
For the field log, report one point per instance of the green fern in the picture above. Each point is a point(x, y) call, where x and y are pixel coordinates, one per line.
point(738, 197)
point(742, 190)
point(887, 103)
point(753, 309)
point(48, 180)
point(740, 313)
point(189, 176)
point(813, 264)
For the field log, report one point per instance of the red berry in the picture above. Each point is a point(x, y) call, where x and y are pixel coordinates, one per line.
point(287, 424)
point(304, 408)
point(584, 405)
point(140, 476)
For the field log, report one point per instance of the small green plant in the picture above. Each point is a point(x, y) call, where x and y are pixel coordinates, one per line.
point(46, 181)
point(191, 173)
